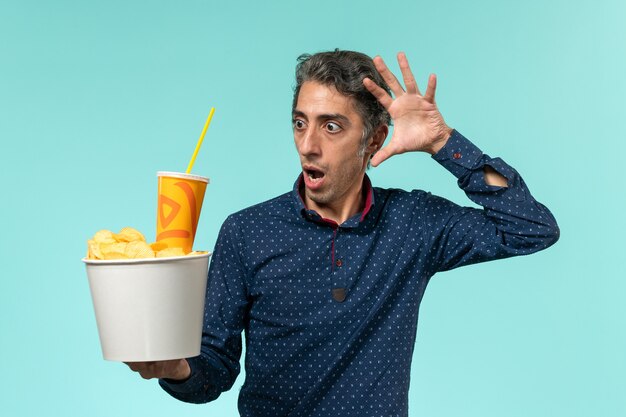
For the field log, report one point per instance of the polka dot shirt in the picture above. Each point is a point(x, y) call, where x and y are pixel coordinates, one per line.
point(330, 311)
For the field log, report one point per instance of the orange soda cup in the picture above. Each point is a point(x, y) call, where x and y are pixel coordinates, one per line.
point(179, 206)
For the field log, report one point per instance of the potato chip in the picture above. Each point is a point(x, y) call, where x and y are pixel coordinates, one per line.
point(104, 236)
point(128, 234)
point(93, 250)
point(115, 255)
point(129, 243)
point(170, 252)
point(109, 249)
point(138, 249)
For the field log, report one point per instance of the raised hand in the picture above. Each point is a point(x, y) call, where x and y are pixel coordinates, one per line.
point(418, 125)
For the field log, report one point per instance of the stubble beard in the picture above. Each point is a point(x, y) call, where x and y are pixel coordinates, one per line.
point(335, 192)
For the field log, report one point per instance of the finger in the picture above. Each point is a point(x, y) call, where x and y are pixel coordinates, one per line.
point(144, 369)
point(149, 371)
point(430, 90)
point(139, 365)
point(407, 75)
point(382, 155)
point(388, 76)
point(381, 95)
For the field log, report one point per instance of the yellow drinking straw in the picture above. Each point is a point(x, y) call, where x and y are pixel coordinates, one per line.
point(195, 153)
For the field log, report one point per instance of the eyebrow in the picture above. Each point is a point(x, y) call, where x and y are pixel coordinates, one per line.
point(325, 116)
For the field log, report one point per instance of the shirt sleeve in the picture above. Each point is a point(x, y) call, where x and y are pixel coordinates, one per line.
point(511, 222)
point(216, 368)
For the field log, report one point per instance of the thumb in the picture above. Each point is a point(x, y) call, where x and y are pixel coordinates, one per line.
point(382, 155)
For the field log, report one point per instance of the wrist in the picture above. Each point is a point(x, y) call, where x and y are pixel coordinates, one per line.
point(440, 141)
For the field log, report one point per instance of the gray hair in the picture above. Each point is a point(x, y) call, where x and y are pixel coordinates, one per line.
point(345, 70)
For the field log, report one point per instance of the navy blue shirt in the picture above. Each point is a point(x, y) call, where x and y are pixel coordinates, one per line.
point(330, 311)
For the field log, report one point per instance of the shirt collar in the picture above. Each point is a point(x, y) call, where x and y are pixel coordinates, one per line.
point(298, 191)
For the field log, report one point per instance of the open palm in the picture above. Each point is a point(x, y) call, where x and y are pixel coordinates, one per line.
point(418, 125)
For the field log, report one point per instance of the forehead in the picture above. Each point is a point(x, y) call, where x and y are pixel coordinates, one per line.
point(315, 99)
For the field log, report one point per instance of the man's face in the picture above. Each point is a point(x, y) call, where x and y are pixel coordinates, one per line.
point(328, 132)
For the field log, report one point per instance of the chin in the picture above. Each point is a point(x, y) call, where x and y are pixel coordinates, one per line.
point(319, 198)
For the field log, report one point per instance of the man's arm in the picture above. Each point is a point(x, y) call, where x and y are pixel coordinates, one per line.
point(203, 378)
point(226, 308)
point(512, 221)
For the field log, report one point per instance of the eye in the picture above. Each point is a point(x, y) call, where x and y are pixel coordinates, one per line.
point(332, 127)
point(297, 123)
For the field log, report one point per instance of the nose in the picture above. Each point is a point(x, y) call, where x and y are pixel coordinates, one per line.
point(308, 143)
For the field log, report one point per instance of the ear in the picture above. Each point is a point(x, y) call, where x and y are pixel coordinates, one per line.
point(378, 138)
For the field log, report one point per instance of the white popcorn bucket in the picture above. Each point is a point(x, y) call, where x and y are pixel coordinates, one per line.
point(149, 309)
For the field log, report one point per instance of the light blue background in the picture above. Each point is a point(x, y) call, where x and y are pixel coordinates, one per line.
point(96, 97)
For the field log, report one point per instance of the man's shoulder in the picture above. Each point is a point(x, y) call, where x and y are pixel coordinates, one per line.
point(396, 199)
point(394, 195)
point(282, 205)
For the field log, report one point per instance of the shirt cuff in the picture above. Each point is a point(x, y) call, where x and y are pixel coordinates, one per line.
point(466, 161)
point(190, 384)
point(459, 155)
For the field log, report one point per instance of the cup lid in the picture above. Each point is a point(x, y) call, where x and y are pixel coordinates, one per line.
point(182, 175)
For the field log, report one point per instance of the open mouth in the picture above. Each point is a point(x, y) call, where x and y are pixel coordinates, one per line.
point(314, 174)
point(313, 177)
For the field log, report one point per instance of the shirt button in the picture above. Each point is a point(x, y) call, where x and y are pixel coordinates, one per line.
point(339, 294)
point(457, 155)
point(338, 262)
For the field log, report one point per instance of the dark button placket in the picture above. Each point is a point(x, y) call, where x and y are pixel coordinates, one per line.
point(338, 278)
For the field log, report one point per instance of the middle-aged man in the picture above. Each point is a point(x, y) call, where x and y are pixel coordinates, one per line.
point(326, 280)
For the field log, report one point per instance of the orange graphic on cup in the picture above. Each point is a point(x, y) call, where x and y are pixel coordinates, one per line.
point(179, 206)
